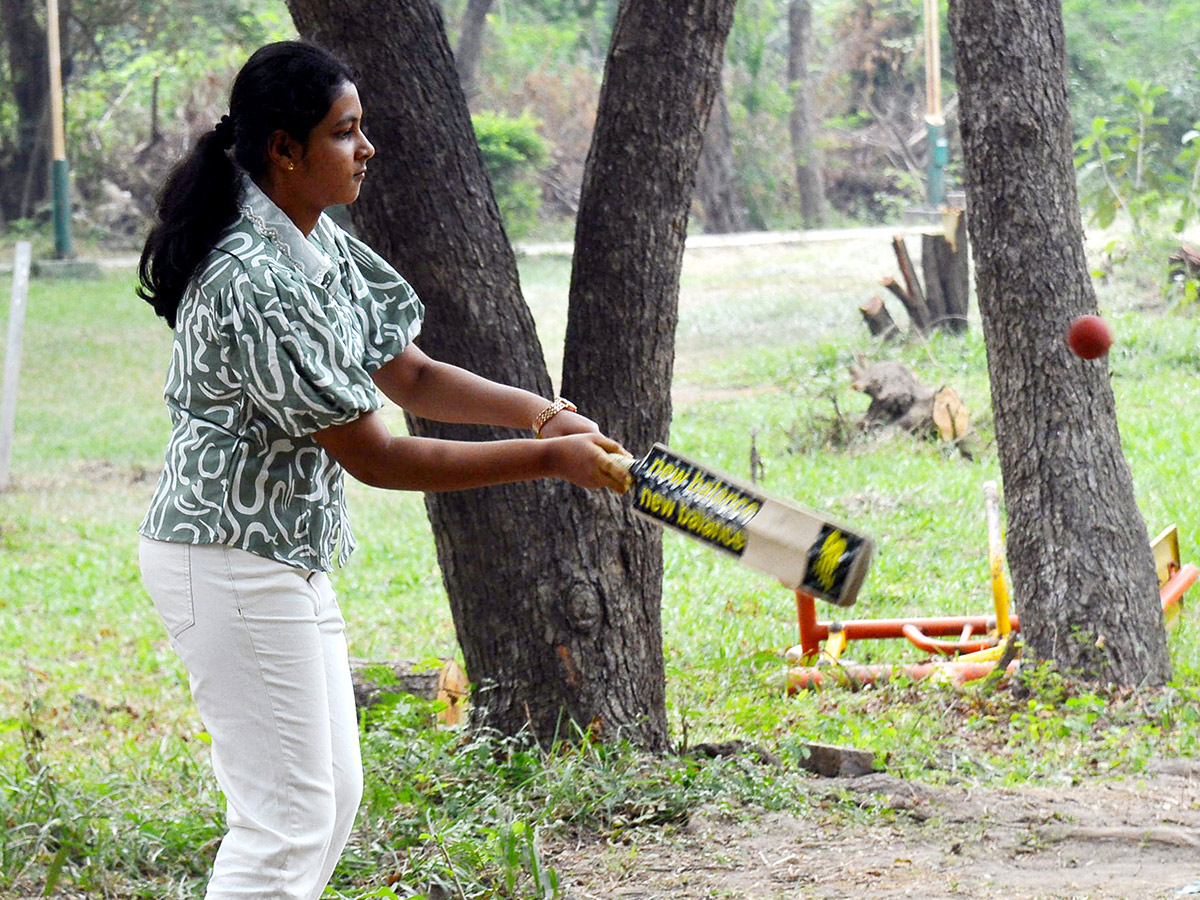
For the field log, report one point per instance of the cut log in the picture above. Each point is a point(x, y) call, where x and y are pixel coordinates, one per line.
point(950, 416)
point(945, 263)
point(833, 761)
point(1186, 261)
point(447, 682)
point(879, 320)
point(918, 307)
point(899, 400)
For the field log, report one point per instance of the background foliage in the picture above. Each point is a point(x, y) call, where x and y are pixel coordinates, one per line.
point(541, 65)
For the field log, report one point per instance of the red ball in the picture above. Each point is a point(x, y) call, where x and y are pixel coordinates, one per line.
point(1089, 337)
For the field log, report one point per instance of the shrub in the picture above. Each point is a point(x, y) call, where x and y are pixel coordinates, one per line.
point(512, 151)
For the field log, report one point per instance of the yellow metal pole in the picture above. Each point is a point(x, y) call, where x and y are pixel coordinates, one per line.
point(1000, 597)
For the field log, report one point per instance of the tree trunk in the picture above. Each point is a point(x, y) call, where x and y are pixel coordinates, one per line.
point(810, 181)
point(662, 74)
point(722, 203)
point(470, 40)
point(1083, 575)
point(24, 164)
point(554, 592)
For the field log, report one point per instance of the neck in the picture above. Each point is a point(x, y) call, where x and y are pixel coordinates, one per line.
point(303, 218)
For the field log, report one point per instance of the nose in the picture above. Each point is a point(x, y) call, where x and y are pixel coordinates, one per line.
point(366, 150)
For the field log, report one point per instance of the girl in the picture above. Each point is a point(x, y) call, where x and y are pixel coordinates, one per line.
point(285, 326)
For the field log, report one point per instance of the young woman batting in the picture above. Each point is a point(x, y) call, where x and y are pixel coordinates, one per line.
point(286, 328)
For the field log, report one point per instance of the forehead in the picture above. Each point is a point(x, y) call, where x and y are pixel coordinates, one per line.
point(345, 105)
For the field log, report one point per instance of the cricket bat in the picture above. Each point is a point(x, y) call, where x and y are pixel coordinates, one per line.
point(803, 549)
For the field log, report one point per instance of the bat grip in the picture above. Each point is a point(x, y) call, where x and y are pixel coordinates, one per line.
point(625, 462)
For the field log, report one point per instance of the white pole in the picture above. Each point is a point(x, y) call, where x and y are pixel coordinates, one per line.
point(12, 357)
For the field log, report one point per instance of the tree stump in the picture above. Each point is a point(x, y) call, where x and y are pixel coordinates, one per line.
point(945, 265)
point(899, 400)
point(879, 320)
point(447, 682)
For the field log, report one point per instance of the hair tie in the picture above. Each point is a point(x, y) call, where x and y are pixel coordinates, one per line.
point(224, 132)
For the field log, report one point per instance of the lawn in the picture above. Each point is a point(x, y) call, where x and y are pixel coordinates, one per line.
point(99, 743)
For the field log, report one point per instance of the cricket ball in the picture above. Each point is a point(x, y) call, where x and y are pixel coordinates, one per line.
point(1089, 337)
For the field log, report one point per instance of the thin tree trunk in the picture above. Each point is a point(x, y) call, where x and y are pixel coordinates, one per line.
point(25, 177)
point(810, 180)
point(554, 591)
point(470, 41)
point(722, 203)
point(1083, 575)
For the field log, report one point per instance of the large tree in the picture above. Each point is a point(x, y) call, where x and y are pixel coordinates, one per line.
point(1083, 575)
point(555, 592)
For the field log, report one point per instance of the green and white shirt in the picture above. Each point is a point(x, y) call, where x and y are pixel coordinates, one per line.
point(276, 338)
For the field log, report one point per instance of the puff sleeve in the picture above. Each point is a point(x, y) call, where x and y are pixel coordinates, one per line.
point(299, 357)
point(389, 309)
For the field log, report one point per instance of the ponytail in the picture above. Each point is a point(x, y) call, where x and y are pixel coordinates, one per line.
point(288, 86)
point(198, 202)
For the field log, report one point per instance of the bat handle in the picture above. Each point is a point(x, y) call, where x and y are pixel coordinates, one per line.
point(625, 462)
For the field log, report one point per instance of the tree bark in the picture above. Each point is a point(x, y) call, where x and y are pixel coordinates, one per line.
point(810, 180)
point(24, 171)
point(555, 592)
point(723, 205)
point(1083, 574)
point(470, 41)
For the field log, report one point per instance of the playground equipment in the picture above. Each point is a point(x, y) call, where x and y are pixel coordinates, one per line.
point(969, 647)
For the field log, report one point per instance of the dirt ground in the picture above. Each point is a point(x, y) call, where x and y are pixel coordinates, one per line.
point(1134, 839)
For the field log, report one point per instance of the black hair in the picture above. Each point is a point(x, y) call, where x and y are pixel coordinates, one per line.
point(287, 86)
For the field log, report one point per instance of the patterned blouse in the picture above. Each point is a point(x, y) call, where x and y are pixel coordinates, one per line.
point(277, 337)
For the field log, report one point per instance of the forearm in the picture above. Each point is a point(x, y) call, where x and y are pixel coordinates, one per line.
point(427, 464)
point(369, 452)
point(445, 393)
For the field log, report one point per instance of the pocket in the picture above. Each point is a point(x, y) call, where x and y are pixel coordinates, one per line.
point(167, 575)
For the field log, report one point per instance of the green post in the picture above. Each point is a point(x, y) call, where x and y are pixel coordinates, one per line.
point(60, 174)
point(939, 155)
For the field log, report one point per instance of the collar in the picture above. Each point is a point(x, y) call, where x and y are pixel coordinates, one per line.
point(273, 223)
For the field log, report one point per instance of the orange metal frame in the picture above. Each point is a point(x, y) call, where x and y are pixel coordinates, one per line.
point(922, 633)
point(973, 644)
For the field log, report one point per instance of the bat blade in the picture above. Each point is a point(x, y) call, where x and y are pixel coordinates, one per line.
point(802, 548)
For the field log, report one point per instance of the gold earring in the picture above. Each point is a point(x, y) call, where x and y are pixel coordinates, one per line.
point(290, 167)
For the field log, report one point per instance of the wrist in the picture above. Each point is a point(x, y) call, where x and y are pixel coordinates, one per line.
point(556, 406)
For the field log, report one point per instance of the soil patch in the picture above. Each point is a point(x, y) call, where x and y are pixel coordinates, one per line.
point(1133, 839)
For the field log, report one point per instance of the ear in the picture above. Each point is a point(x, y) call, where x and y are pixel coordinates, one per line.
point(283, 150)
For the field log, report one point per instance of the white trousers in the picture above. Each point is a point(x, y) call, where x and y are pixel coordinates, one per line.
point(265, 650)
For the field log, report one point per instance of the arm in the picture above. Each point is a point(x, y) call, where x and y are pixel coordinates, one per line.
point(371, 453)
point(445, 393)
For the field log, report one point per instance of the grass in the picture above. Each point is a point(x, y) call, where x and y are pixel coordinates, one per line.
point(104, 782)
